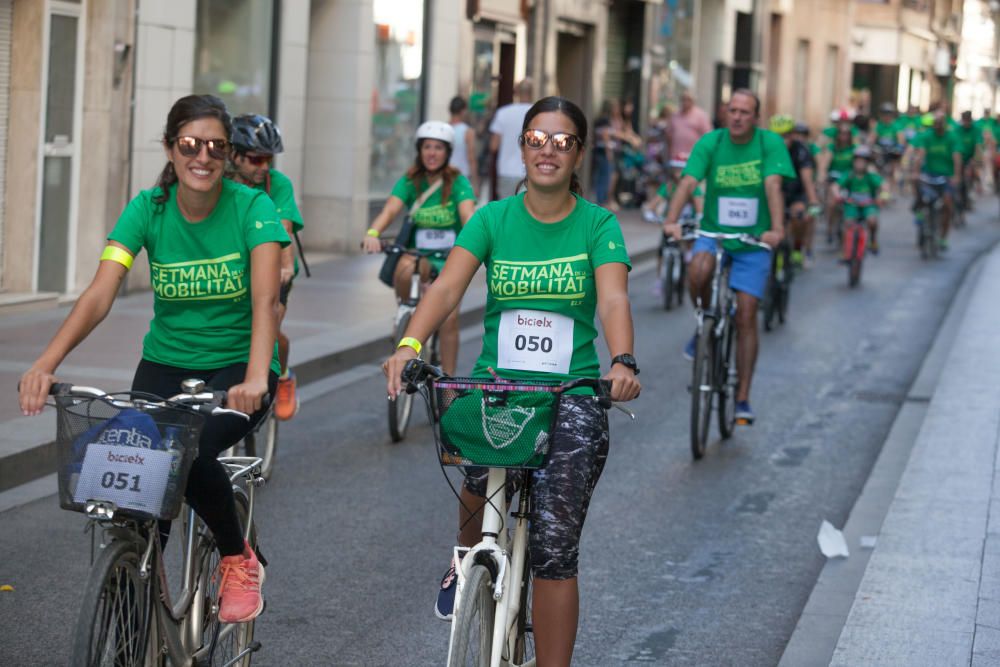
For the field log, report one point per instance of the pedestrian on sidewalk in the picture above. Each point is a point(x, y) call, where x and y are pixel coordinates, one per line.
point(504, 131)
point(214, 251)
point(463, 156)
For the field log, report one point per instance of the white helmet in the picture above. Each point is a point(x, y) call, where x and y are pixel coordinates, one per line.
point(436, 129)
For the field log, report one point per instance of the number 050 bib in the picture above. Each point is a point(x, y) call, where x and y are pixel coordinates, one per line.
point(435, 239)
point(535, 340)
point(738, 211)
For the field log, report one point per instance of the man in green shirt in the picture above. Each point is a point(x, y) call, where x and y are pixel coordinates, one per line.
point(743, 166)
point(256, 140)
point(970, 141)
point(937, 153)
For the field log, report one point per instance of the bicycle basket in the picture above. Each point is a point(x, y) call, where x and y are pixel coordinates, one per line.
point(495, 424)
point(121, 450)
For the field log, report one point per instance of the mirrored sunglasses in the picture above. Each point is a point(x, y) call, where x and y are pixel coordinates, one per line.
point(563, 142)
point(191, 147)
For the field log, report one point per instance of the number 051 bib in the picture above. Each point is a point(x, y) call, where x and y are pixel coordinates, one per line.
point(535, 340)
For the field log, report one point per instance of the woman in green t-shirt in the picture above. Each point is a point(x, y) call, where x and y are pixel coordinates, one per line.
point(553, 260)
point(436, 223)
point(214, 251)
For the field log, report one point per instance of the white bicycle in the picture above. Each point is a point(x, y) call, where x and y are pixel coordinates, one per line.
point(498, 425)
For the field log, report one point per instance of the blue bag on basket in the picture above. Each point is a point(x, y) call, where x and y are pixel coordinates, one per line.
point(129, 428)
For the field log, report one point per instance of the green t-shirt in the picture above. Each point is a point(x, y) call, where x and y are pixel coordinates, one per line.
point(735, 200)
point(842, 159)
point(283, 195)
point(866, 185)
point(200, 273)
point(938, 151)
point(831, 132)
point(986, 124)
point(435, 223)
point(968, 139)
point(541, 297)
point(908, 125)
point(814, 148)
point(885, 130)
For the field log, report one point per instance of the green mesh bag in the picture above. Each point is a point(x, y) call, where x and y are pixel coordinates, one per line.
point(495, 424)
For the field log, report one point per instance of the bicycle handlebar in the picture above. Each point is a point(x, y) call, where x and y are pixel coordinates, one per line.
point(393, 248)
point(206, 402)
point(742, 237)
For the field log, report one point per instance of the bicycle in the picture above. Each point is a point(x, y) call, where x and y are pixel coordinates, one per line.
point(856, 238)
point(124, 484)
point(779, 283)
point(262, 442)
point(930, 201)
point(401, 408)
point(499, 425)
point(673, 265)
point(714, 374)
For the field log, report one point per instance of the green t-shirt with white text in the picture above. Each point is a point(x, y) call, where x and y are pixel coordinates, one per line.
point(938, 151)
point(200, 274)
point(435, 224)
point(735, 200)
point(862, 187)
point(541, 297)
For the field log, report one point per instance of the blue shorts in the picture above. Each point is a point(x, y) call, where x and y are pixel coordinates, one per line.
point(749, 269)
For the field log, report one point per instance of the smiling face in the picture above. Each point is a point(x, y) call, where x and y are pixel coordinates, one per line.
point(433, 154)
point(547, 168)
point(201, 172)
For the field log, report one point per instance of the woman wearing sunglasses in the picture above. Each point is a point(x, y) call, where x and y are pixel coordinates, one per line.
point(554, 259)
point(440, 201)
point(256, 140)
point(214, 251)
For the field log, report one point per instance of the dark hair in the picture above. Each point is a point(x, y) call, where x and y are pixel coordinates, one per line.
point(576, 116)
point(457, 105)
point(418, 174)
point(185, 110)
point(752, 95)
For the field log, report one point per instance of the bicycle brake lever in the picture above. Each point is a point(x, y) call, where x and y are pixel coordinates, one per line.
point(619, 406)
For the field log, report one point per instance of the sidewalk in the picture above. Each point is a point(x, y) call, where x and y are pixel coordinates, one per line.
point(930, 593)
point(338, 318)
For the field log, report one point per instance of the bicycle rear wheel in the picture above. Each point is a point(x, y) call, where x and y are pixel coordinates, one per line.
point(264, 443)
point(702, 389)
point(472, 636)
point(117, 610)
point(667, 280)
point(401, 407)
point(726, 379)
point(784, 282)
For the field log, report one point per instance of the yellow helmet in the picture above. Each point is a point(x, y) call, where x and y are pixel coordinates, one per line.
point(781, 124)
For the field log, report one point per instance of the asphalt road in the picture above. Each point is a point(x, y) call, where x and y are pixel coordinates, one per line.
point(683, 563)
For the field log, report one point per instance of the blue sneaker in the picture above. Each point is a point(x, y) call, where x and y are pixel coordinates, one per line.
point(744, 413)
point(444, 608)
point(689, 349)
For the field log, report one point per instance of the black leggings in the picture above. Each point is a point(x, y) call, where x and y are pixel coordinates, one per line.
point(209, 491)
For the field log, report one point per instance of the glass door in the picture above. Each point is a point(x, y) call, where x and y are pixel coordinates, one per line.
point(55, 261)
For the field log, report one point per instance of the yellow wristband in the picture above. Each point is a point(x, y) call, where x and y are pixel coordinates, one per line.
point(374, 233)
point(116, 254)
point(411, 343)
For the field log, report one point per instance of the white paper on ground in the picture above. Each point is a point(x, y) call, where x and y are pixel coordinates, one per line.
point(831, 541)
point(868, 541)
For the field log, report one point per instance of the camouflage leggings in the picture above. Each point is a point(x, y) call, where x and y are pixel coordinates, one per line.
point(561, 489)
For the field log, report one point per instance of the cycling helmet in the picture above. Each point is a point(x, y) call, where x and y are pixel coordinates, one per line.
point(801, 128)
point(887, 107)
point(436, 129)
point(678, 161)
point(256, 133)
point(838, 115)
point(781, 124)
point(863, 152)
point(927, 120)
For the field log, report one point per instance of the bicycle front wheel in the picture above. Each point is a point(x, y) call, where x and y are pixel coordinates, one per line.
point(702, 390)
point(401, 407)
point(524, 641)
point(472, 636)
point(727, 380)
point(117, 610)
point(264, 443)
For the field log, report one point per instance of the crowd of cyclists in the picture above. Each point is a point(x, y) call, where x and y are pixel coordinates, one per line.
point(218, 224)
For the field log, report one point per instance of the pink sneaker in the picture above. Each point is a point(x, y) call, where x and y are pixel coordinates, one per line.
point(239, 592)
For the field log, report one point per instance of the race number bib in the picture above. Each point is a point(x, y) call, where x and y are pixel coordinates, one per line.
point(131, 477)
point(535, 340)
point(738, 211)
point(435, 239)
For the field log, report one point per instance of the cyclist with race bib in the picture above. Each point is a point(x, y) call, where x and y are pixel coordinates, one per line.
point(256, 140)
point(839, 155)
point(743, 166)
point(970, 141)
point(553, 260)
point(799, 191)
point(861, 191)
point(436, 223)
point(937, 153)
point(214, 250)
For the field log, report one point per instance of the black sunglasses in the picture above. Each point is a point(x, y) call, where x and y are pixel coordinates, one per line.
point(563, 142)
point(218, 149)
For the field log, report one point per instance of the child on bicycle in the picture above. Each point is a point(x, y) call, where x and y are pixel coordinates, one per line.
point(214, 250)
point(549, 225)
point(437, 221)
point(862, 192)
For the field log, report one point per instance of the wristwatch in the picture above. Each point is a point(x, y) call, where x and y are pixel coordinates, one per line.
point(626, 360)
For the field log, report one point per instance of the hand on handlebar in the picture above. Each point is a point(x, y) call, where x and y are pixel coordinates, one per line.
point(372, 244)
point(673, 230)
point(393, 369)
point(624, 385)
point(772, 238)
point(33, 390)
point(247, 397)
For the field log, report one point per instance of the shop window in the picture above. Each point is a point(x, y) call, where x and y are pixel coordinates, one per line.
point(398, 89)
point(234, 43)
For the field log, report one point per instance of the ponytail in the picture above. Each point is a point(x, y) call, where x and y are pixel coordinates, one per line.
point(166, 178)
